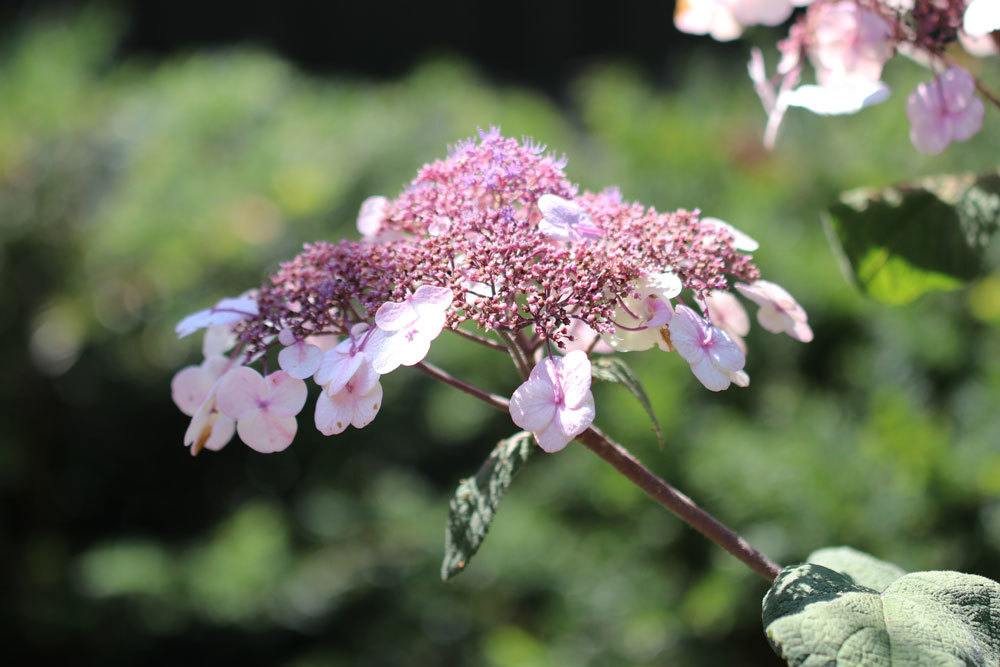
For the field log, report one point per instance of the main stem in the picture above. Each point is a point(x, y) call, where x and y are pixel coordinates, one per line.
point(655, 487)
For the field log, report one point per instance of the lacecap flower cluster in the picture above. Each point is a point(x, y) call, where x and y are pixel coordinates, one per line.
point(494, 243)
point(848, 42)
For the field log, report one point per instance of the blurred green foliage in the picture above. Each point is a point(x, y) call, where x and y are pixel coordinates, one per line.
point(134, 192)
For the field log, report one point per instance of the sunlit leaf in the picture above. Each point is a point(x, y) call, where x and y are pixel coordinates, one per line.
point(476, 500)
point(847, 608)
point(904, 241)
point(613, 369)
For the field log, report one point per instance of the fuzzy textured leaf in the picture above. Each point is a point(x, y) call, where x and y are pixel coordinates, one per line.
point(904, 241)
point(476, 500)
point(613, 369)
point(846, 608)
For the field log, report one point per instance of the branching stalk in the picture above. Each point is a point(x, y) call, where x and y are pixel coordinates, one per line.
point(655, 487)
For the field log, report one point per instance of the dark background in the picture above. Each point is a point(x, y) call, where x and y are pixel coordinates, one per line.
point(157, 156)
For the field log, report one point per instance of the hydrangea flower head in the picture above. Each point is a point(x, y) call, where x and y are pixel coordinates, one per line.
point(491, 242)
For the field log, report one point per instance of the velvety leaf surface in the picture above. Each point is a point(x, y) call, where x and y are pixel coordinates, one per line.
point(904, 241)
point(857, 610)
point(476, 500)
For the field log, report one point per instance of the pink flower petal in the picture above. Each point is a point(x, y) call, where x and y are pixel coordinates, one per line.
point(367, 406)
point(267, 433)
point(394, 315)
point(574, 372)
point(286, 395)
point(687, 331)
point(371, 217)
point(532, 406)
point(429, 298)
point(726, 312)
point(240, 392)
point(300, 360)
point(189, 387)
point(551, 438)
point(333, 413)
point(218, 340)
point(725, 353)
point(337, 367)
point(710, 375)
point(576, 420)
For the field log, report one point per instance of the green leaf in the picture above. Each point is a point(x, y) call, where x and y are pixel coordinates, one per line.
point(476, 499)
point(613, 369)
point(904, 241)
point(846, 608)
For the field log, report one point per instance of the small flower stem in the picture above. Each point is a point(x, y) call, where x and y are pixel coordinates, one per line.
point(655, 487)
point(678, 503)
point(480, 339)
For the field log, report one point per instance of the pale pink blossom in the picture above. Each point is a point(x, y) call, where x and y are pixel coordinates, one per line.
point(226, 312)
point(555, 403)
point(944, 110)
point(356, 402)
point(725, 20)
point(583, 337)
point(209, 428)
point(324, 342)
point(980, 46)
point(981, 17)
point(264, 407)
point(409, 326)
point(727, 313)
point(565, 220)
point(779, 311)
point(741, 240)
point(371, 217)
point(342, 362)
point(640, 318)
point(218, 340)
point(847, 41)
point(715, 359)
point(190, 386)
point(299, 358)
point(707, 17)
point(837, 98)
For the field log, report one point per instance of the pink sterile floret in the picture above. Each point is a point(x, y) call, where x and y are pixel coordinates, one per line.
point(846, 41)
point(264, 407)
point(409, 326)
point(944, 110)
point(779, 311)
point(190, 386)
point(341, 362)
point(715, 359)
point(555, 403)
point(355, 402)
point(372, 216)
point(727, 313)
point(566, 220)
point(299, 358)
point(228, 311)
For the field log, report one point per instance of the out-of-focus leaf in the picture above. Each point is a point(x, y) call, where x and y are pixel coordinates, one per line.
point(613, 369)
point(847, 608)
point(476, 499)
point(904, 241)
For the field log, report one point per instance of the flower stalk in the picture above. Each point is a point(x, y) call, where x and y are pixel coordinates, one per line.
point(636, 472)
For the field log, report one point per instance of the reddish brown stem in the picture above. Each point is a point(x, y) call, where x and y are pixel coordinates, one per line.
point(655, 487)
point(678, 503)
